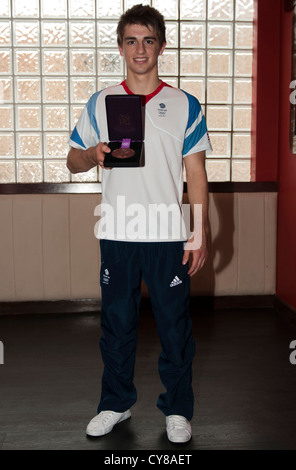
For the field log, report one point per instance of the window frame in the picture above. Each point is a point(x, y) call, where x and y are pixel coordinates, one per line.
point(256, 172)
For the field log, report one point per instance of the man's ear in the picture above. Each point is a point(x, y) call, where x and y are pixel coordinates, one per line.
point(162, 48)
point(120, 50)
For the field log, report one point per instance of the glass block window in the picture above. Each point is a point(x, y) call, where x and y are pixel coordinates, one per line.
point(54, 54)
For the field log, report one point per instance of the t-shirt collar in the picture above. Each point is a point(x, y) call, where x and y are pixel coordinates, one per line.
point(145, 98)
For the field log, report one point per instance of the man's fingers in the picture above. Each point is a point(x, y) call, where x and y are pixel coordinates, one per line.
point(105, 148)
point(102, 149)
point(197, 262)
point(185, 257)
point(194, 263)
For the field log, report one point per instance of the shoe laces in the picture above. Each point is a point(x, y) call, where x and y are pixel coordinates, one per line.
point(104, 416)
point(177, 421)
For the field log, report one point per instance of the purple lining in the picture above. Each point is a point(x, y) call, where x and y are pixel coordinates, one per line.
point(126, 143)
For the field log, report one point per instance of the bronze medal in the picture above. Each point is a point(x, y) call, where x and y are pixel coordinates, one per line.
point(123, 153)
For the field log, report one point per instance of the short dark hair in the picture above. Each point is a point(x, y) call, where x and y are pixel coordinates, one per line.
point(144, 15)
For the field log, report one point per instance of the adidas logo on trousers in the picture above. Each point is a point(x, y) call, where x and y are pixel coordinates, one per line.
point(175, 281)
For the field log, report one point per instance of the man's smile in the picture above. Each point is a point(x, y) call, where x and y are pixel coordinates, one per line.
point(140, 60)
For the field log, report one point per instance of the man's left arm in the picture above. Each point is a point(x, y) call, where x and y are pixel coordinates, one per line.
point(197, 189)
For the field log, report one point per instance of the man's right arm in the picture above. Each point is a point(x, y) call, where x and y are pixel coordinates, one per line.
point(79, 160)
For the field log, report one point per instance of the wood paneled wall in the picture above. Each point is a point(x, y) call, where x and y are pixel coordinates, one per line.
point(48, 250)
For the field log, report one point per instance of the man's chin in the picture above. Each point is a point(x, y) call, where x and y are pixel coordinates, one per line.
point(142, 69)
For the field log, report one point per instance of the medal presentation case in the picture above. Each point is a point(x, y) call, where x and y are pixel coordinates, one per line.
point(125, 128)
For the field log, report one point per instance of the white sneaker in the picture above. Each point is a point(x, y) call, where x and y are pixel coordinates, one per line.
point(105, 421)
point(178, 428)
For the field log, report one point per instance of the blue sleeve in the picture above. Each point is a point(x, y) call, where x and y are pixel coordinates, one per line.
point(86, 132)
point(196, 134)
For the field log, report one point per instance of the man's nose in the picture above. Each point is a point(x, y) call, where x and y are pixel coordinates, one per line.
point(140, 47)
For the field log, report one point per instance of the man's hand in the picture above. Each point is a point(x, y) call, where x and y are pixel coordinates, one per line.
point(101, 149)
point(198, 256)
point(79, 160)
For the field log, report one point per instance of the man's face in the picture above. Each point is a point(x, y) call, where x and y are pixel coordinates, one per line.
point(140, 49)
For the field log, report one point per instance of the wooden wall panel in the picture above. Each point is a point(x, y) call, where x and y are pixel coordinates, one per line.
point(56, 246)
point(7, 285)
point(251, 239)
point(270, 241)
point(84, 247)
point(49, 252)
point(225, 243)
point(28, 252)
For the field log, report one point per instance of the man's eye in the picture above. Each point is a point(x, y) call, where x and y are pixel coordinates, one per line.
point(131, 42)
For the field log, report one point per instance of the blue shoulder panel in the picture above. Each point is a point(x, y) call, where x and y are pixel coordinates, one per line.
point(91, 108)
point(76, 138)
point(194, 109)
point(199, 130)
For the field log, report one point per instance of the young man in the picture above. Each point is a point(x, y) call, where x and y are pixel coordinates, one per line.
point(175, 135)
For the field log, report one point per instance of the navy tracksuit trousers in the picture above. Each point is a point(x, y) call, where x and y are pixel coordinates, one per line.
point(159, 264)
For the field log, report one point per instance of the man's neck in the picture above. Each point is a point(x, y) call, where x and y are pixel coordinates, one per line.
point(142, 85)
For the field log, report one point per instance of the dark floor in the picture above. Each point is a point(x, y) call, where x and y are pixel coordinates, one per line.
point(245, 385)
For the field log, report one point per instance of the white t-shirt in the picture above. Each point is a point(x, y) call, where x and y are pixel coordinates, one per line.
point(145, 203)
